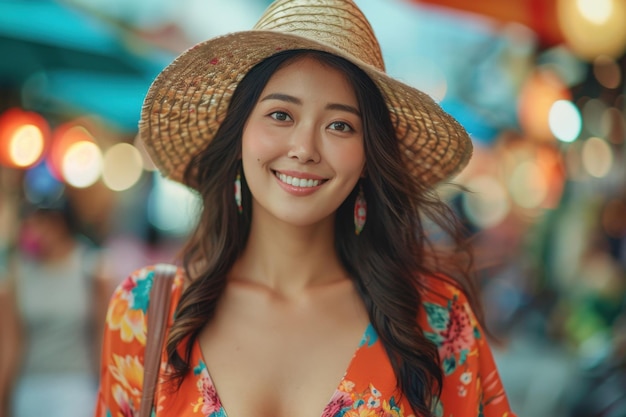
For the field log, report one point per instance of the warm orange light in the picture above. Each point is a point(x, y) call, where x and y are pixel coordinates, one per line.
point(82, 164)
point(593, 27)
point(64, 137)
point(539, 93)
point(23, 137)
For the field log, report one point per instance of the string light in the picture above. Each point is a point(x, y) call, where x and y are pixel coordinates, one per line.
point(565, 120)
point(23, 137)
point(122, 167)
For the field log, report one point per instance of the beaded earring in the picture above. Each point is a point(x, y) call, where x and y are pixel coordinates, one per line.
point(360, 211)
point(238, 192)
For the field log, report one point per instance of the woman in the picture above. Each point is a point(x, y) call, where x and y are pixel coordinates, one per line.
point(312, 289)
point(52, 305)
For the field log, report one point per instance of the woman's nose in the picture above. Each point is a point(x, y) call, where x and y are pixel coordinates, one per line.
point(304, 145)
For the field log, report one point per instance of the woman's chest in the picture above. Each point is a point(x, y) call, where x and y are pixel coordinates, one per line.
point(282, 363)
point(366, 386)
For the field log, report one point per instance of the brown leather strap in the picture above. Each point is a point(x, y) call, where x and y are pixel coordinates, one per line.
point(158, 312)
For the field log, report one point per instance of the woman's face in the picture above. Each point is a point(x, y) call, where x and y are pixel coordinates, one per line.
point(302, 146)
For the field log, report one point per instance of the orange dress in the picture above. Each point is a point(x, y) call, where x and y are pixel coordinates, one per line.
point(471, 387)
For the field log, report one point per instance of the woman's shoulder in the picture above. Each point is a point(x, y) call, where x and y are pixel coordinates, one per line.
point(448, 320)
point(443, 291)
point(471, 378)
point(130, 300)
point(124, 341)
point(137, 285)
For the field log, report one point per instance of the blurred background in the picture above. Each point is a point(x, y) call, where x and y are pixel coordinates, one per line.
point(539, 85)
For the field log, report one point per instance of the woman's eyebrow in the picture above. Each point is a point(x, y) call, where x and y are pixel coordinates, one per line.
point(343, 107)
point(331, 106)
point(282, 97)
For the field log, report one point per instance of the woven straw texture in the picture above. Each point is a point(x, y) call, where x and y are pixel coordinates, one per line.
point(188, 101)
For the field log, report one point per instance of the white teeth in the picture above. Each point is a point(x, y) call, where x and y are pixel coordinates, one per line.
point(297, 182)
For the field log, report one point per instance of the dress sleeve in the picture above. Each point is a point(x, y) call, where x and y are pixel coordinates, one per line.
point(124, 341)
point(492, 395)
point(472, 385)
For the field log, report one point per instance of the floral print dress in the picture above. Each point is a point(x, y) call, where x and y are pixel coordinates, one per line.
point(471, 387)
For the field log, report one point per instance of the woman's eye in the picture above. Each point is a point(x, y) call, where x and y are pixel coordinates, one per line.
point(341, 126)
point(280, 116)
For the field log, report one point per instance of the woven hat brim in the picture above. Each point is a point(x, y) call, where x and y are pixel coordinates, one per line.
point(188, 101)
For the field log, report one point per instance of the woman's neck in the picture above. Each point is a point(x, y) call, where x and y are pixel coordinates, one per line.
point(289, 259)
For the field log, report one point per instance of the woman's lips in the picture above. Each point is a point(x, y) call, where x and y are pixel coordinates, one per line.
point(298, 183)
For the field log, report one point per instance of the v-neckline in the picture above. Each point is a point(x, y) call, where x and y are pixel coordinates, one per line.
point(366, 340)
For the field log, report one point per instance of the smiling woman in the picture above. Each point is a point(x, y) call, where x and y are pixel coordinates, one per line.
point(306, 135)
point(310, 287)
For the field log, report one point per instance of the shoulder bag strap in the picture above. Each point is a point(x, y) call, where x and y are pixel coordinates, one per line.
point(158, 312)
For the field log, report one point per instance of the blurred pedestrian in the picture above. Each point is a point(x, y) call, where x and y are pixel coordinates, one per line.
point(53, 304)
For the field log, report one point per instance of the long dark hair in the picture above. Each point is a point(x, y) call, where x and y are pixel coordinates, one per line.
point(386, 261)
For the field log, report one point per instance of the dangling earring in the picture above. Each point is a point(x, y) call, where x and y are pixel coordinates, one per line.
point(360, 211)
point(238, 192)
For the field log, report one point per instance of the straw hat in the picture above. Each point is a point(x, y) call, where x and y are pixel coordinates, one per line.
point(189, 99)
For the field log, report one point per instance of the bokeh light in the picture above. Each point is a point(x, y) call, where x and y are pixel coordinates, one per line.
point(551, 162)
point(592, 111)
point(82, 164)
point(487, 204)
point(27, 145)
point(23, 137)
point(565, 121)
point(597, 157)
point(607, 71)
point(595, 11)
point(593, 27)
point(65, 136)
point(177, 218)
point(538, 94)
point(40, 186)
point(122, 167)
point(613, 126)
point(528, 185)
point(573, 162)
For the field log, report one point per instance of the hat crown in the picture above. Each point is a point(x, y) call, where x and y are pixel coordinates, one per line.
point(337, 23)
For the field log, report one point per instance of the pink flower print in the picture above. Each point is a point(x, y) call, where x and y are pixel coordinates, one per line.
point(339, 401)
point(210, 401)
point(462, 391)
point(459, 334)
point(128, 285)
point(453, 334)
point(123, 401)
